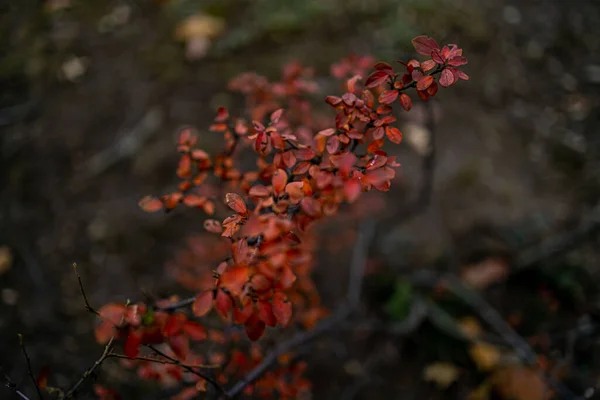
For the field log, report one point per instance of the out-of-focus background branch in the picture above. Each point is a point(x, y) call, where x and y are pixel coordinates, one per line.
point(93, 92)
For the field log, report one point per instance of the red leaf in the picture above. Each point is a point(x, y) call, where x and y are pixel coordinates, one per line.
point(276, 116)
point(377, 78)
point(424, 82)
point(194, 330)
point(393, 134)
point(295, 191)
point(131, 348)
point(173, 325)
point(180, 345)
point(193, 200)
point(352, 189)
point(287, 277)
point(212, 225)
point(234, 279)
point(327, 132)
point(259, 191)
point(240, 251)
point(203, 303)
point(310, 206)
point(223, 304)
point(352, 83)
point(333, 144)
point(457, 61)
point(388, 97)
point(254, 327)
point(236, 203)
point(282, 309)
point(184, 169)
point(105, 393)
point(222, 114)
point(265, 313)
point(305, 154)
point(383, 66)
point(279, 181)
point(150, 204)
point(241, 315)
point(436, 55)
point(424, 45)
point(406, 101)
point(333, 100)
point(447, 78)
point(428, 65)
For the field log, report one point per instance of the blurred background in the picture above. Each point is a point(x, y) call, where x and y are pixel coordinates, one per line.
point(92, 94)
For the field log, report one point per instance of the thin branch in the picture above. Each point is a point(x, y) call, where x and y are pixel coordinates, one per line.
point(587, 227)
point(522, 349)
point(177, 305)
point(366, 231)
point(90, 371)
point(297, 340)
point(159, 361)
point(88, 307)
point(29, 369)
point(188, 368)
point(357, 266)
point(12, 386)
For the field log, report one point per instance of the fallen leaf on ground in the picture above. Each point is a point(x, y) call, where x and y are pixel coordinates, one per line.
point(441, 373)
point(483, 274)
point(520, 383)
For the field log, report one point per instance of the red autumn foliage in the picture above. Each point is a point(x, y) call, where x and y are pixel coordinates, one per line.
point(255, 269)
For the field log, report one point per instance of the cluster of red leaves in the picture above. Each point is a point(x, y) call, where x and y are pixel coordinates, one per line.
point(304, 172)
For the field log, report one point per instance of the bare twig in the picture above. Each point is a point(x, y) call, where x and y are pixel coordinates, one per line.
point(188, 368)
point(366, 231)
point(90, 371)
point(159, 361)
point(88, 306)
point(29, 369)
point(177, 304)
point(588, 226)
point(11, 385)
point(522, 349)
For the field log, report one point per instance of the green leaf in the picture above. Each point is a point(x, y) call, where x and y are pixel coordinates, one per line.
point(398, 306)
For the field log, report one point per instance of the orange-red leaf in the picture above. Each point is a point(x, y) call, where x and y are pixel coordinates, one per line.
point(388, 97)
point(241, 315)
point(259, 191)
point(150, 204)
point(393, 134)
point(424, 82)
point(234, 278)
point(406, 101)
point(352, 189)
point(236, 203)
point(194, 330)
point(279, 181)
point(282, 309)
point(223, 304)
point(377, 78)
point(276, 115)
point(131, 348)
point(265, 313)
point(203, 303)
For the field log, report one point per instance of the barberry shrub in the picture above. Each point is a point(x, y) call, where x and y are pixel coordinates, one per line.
point(255, 273)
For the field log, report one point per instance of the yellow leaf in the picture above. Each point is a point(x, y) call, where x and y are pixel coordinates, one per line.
point(470, 327)
point(199, 25)
point(441, 373)
point(485, 355)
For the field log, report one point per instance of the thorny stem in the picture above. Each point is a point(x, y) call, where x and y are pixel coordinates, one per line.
point(29, 369)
